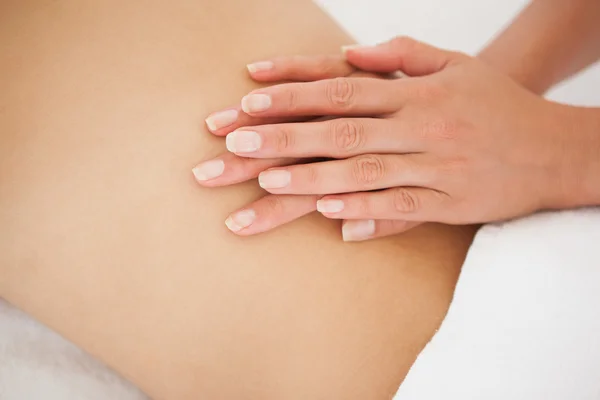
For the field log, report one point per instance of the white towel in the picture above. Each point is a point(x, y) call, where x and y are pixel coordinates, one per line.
point(37, 364)
point(525, 320)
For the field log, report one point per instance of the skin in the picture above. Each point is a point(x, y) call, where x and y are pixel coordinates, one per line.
point(108, 240)
point(549, 41)
point(458, 142)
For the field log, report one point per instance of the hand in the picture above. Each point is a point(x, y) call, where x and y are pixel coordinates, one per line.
point(458, 143)
point(272, 211)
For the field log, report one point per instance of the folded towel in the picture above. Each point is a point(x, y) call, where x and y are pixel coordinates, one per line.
point(525, 319)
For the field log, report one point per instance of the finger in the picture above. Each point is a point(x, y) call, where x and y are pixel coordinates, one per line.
point(356, 174)
point(339, 96)
point(229, 169)
point(269, 212)
point(222, 122)
point(410, 56)
point(398, 203)
point(359, 230)
point(335, 138)
point(300, 68)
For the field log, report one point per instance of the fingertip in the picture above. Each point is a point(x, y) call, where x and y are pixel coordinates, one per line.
point(262, 71)
point(222, 119)
point(210, 124)
point(260, 66)
point(254, 103)
point(368, 58)
point(208, 170)
point(265, 76)
point(358, 230)
point(351, 48)
point(330, 207)
point(240, 220)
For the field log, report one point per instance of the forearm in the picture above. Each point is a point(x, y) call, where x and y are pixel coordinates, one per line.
point(548, 42)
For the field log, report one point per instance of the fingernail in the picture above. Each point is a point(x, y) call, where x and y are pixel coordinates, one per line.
point(221, 119)
point(330, 206)
point(256, 103)
point(240, 220)
point(350, 47)
point(243, 141)
point(209, 170)
point(356, 230)
point(260, 66)
point(274, 179)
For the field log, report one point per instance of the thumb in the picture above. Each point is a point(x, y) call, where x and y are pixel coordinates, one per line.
point(403, 54)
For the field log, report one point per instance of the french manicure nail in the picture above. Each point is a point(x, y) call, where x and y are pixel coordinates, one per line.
point(355, 230)
point(256, 103)
point(274, 179)
point(209, 170)
point(330, 206)
point(350, 47)
point(260, 66)
point(240, 220)
point(243, 141)
point(221, 119)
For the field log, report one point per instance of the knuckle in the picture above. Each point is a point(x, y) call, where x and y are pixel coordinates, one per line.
point(284, 140)
point(431, 91)
point(341, 93)
point(365, 205)
point(292, 99)
point(348, 135)
point(404, 43)
point(368, 170)
point(312, 174)
point(405, 201)
point(457, 166)
point(444, 129)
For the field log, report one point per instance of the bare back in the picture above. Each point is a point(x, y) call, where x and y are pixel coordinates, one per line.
point(107, 239)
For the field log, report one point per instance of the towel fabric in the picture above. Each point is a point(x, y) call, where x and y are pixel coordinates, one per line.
point(525, 319)
point(37, 364)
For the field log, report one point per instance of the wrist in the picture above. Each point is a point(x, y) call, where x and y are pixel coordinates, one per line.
point(521, 70)
point(577, 182)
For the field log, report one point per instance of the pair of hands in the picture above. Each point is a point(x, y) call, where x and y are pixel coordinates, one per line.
point(455, 142)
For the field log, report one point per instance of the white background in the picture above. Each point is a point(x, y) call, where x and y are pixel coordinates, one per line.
point(464, 25)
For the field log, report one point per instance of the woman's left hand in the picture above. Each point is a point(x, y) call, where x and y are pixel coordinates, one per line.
point(456, 143)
